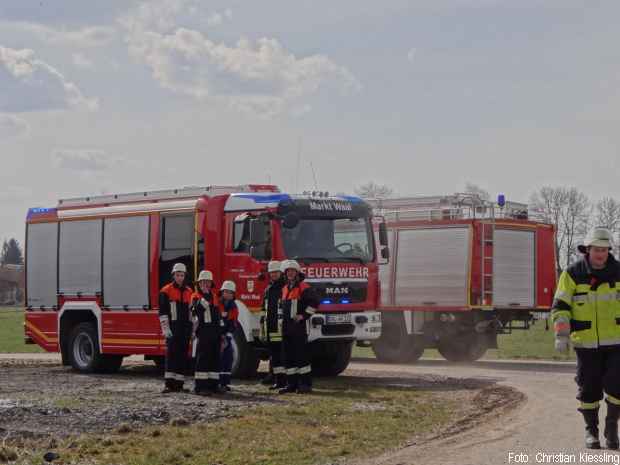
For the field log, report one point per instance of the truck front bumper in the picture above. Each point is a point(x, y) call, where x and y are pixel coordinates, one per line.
point(352, 326)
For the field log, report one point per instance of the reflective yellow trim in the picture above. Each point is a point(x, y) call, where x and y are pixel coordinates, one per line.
point(143, 342)
point(40, 333)
point(613, 400)
point(589, 405)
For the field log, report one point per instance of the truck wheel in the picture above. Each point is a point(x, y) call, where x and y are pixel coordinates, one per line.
point(395, 345)
point(84, 352)
point(331, 358)
point(463, 347)
point(245, 358)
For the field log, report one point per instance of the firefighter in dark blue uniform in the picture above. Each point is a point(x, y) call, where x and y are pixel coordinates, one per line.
point(271, 326)
point(230, 316)
point(209, 330)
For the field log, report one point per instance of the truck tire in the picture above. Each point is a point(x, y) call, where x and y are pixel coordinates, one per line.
point(84, 354)
point(395, 345)
point(331, 358)
point(463, 347)
point(245, 357)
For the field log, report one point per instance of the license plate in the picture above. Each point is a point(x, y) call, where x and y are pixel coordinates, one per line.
point(339, 318)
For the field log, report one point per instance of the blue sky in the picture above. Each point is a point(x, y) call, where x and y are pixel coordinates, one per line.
point(421, 95)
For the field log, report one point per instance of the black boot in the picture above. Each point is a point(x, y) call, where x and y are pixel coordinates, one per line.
point(291, 386)
point(268, 380)
point(611, 426)
point(280, 382)
point(591, 418)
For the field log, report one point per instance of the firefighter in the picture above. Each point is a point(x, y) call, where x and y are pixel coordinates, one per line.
point(175, 299)
point(230, 315)
point(271, 322)
point(298, 304)
point(209, 334)
point(586, 314)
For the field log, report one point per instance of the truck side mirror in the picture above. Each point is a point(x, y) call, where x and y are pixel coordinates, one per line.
point(383, 242)
point(291, 220)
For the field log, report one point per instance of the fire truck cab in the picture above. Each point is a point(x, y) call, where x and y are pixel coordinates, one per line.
point(94, 267)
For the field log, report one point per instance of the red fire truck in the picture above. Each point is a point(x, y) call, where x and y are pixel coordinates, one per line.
point(94, 267)
point(463, 270)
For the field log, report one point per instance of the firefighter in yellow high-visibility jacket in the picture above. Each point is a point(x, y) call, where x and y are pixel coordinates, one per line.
point(586, 314)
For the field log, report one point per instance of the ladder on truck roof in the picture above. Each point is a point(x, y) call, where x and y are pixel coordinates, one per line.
point(165, 194)
point(447, 207)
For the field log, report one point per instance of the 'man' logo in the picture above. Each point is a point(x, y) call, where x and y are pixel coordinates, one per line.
point(336, 290)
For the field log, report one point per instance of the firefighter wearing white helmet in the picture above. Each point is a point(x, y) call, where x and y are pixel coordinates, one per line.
point(586, 313)
point(230, 316)
point(209, 335)
point(271, 326)
point(176, 325)
point(298, 303)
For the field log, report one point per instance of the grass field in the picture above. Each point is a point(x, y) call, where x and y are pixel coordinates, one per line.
point(534, 344)
point(343, 419)
point(12, 332)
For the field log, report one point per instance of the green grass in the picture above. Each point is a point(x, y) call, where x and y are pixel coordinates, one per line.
point(533, 344)
point(12, 332)
point(343, 419)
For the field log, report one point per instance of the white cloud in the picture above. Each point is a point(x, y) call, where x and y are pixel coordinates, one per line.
point(84, 160)
point(30, 84)
point(411, 54)
point(85, 37)
point(12, 126)
point(14, 193)
point(260, 77)
point(81, 61)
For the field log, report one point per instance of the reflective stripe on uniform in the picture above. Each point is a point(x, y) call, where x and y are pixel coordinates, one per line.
point(562, 295)
point(201, 375)
point(606, 297)
point(580, 298)
point(293, 308)
point(609, 342)
point(207, 307)
point(279, 370)
point(169, 375)
point(175, 376)
point(311, 310)
point(213, 375)
point(585, 345)
point(291, 371)
point(589, 405)
point(613, 400)
point(173, 311)
point(305, 370)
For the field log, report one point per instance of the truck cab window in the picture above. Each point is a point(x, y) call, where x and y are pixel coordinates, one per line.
point(241, 238)
point(177, 235)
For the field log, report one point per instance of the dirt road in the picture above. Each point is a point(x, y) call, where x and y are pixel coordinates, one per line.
point(547, 422)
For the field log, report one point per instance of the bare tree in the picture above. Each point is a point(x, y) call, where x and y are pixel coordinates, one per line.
point(371, 190)
point(471, 188)
point(547, 205)
point(607, 214)
point(576, 221)
point(569, 211)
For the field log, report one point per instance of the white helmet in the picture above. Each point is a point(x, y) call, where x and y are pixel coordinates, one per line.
point(228, 286)
point(205, 275)
point(274, 265)
point(597, 237)
point(179, 267)
point(290, 264)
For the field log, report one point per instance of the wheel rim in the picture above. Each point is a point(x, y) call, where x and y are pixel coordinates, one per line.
point(83, 350)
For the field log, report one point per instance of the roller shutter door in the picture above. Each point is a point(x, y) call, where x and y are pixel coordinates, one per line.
point(514, 268)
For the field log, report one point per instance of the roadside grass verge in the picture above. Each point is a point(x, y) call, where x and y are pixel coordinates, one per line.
point(343, 419)
point(533, 344)
point(12, 332)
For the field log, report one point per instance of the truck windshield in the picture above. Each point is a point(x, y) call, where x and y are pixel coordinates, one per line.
point(330, 240)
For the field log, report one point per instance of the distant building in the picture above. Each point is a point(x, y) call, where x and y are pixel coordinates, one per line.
point(12, 284)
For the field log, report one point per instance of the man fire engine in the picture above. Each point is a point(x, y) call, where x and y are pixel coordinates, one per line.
point(586, 312)
point(95, 266)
